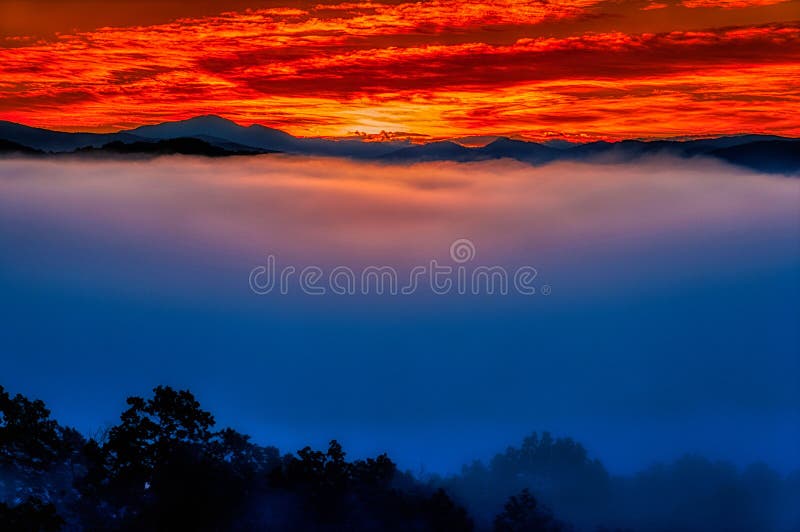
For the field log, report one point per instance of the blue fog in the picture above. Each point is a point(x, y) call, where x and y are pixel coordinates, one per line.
point(672, 325)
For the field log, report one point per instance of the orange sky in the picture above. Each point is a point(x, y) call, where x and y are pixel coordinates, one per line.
point(443, 68)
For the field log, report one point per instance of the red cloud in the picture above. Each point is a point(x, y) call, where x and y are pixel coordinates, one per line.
point(328, 70)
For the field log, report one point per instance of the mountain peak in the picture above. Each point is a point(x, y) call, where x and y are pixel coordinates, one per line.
point(210, 120)
point(205, 124)
point(196, 121)
point(506, 141)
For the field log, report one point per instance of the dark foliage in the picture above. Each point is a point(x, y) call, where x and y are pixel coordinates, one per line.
point(30, 516)
point(557, 468)
point(522, 514)
point(165, 466)
point(691, 494)
point(39, 460)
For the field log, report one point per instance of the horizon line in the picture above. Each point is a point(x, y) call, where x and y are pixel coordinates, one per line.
point(419, 138)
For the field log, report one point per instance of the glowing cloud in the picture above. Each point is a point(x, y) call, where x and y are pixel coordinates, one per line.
point(440, 68)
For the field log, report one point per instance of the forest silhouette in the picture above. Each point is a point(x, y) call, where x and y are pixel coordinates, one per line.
point(166, 466)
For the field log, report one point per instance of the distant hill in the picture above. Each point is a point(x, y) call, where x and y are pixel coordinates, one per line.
point(777, 156)
point(219, 128)
point(263, 138)
point(7, 146)
point(435, 151)
point(773, 156)
point(58, 141)
point(498, 149)
point(182, 145)
point(215, 130)
point(216, 136)
point(728, 142)
point(529, 152)
point(626, 150)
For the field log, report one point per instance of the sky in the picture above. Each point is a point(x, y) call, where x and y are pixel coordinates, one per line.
point(575, 69)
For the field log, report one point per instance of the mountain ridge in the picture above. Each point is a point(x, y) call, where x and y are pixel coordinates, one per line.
point(220, 136)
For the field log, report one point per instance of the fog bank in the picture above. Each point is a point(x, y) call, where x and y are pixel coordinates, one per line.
point(671, 325)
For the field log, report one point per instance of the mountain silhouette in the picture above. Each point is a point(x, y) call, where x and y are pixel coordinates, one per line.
point(216, 136)
point(181, 145)
point(58, 141)
point(729, 142)
point(216, 127)
point(7, 146)
point(435, 151)
point(777, 156)
point(502, 148)
point(212, 127)
point(522, 151)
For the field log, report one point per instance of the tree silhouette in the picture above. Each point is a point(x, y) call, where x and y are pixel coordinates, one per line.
point(558, 470)
point(30, 516)
point(364, 494)
point(522, 514)
point(165, 466)
point(39, 460)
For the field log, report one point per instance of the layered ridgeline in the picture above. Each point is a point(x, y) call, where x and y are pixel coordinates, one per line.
point(216, 136)
point(211, 134)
